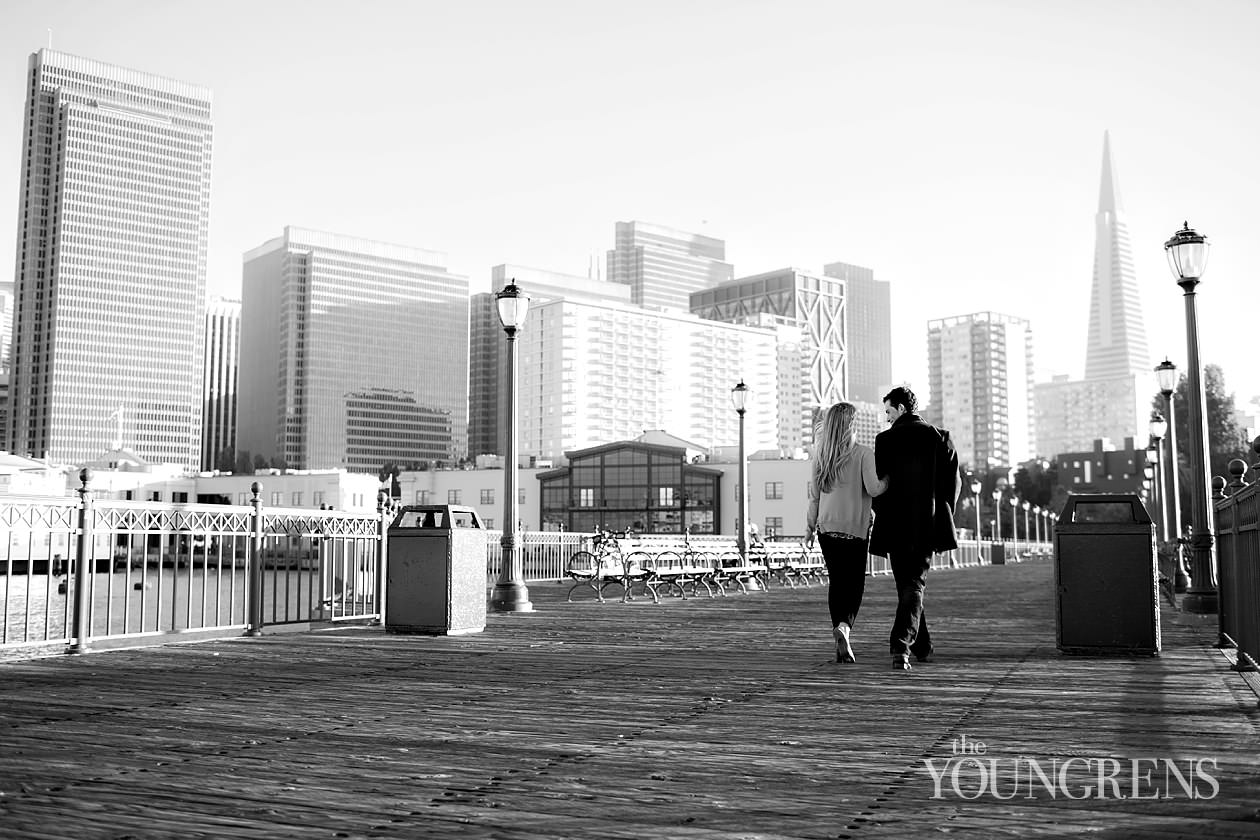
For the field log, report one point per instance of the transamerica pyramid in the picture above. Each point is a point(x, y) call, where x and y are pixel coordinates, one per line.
point(1117, 335)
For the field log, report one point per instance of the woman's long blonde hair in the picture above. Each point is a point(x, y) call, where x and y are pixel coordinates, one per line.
point(834, 441)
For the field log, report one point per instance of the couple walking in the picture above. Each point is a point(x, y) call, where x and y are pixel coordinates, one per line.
point(911, 480)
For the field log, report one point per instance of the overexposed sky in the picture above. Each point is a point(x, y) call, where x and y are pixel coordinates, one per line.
point(953, 147)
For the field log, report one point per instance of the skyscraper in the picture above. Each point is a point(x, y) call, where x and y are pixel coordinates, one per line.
point(595, 372)
point(812, 307)
point(663, 266)
point(111, 263)
point(980, 372)
point(487, 389)
point(223, 344)
point(1112, 402)
point(356, 354)
point(1117, 334)
point(869, 313)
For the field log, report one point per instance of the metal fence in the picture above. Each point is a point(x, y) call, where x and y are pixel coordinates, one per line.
point(75, 572)
point(1238, 565)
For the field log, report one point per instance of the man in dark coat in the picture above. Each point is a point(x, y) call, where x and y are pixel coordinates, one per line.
point(915, 516)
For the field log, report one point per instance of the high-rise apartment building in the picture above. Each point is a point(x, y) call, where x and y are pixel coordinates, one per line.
point(1112, 402)
point(487, 388)
point(6, 348)
point(592, 373)
point(223, 344)
point(813, 308)
point(355, 351)
point(980, 372)
point(869, 312)
point(111, 263)
point(663, 266)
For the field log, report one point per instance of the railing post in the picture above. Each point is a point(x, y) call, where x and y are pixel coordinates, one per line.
point(255, 576)
point(382, 553)
point(82, 569)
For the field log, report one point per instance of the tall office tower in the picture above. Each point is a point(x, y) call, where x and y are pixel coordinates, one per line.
point(869, 311)
point(223, 344)
point(488, 344)
point(355, 354)
point(980, 371)
point(814, 305)
point(663, 266)
point(1117, 334)
point(1112, 402)
point(6, 348)
point(111, 263)
point(593, 373)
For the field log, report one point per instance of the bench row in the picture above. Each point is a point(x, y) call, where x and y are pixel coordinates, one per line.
point(676, 567)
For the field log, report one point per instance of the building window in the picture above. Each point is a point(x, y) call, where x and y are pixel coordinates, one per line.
point(487, 497)
point(774, 525)
point(242, 498)
point(666, 496)
point(317, 498)
point(276, 497)
point(452, 497)
point(488, 523)
point(586, 497)
point(774, 490)
point(422, 497)
point(520, 496)
point(297, 499)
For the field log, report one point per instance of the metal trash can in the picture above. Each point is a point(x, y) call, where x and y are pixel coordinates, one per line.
point(436, 571)
point(997, 554)
point(1106, 576)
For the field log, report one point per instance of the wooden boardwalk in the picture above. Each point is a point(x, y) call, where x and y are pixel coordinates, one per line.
point(691, 719)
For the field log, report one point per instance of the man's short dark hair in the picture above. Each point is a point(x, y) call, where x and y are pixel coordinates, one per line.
point(902, 396)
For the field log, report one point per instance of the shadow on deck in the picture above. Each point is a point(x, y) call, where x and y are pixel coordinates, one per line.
point(699, 718)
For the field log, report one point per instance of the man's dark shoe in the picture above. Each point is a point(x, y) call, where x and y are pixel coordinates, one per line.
point(901, 662)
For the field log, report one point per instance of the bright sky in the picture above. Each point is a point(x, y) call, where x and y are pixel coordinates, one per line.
point(953, 147)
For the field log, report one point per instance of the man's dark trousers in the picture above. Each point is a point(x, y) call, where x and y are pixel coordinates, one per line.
point(910, 631)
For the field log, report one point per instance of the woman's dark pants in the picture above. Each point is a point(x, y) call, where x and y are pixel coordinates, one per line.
point(846, 576)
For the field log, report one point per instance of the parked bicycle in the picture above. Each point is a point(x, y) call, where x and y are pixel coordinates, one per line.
point(607, 564)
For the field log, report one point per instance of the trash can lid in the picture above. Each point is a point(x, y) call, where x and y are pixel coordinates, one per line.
point(436, 517)
point(1104, 509)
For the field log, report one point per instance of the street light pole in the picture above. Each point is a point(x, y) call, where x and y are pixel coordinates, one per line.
point(510, 593)
point(1166, 374)
point(976, 486)
point(1187, 256)
point(1158, 428)
point(739, 399)
point(1014, 502)
point(1036, 511)
point(1027, 506)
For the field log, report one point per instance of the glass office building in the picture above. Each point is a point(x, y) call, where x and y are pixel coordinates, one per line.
point(354, 354)
point(111, 263)
point(646, 488)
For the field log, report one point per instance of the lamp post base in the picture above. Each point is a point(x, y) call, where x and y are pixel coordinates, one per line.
point(510, 597)
point(1199, 602)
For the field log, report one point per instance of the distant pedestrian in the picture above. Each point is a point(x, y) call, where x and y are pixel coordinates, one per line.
point(916, 517)
point(842, 484)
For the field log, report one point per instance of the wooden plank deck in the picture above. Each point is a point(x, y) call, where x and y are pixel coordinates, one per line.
point(699, 718)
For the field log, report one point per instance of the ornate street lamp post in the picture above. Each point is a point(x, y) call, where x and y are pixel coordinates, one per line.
point(976, 486)
point(510, 593)
point(1014, 503)
point(739, 399)
point(1037, 522)
point(1027, 506)
point(1166, 375)
point(997, 514)
point(1158, 428)
point(1187, 256)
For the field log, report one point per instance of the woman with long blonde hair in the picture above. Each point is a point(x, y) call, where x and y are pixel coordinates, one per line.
point(842, 483)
